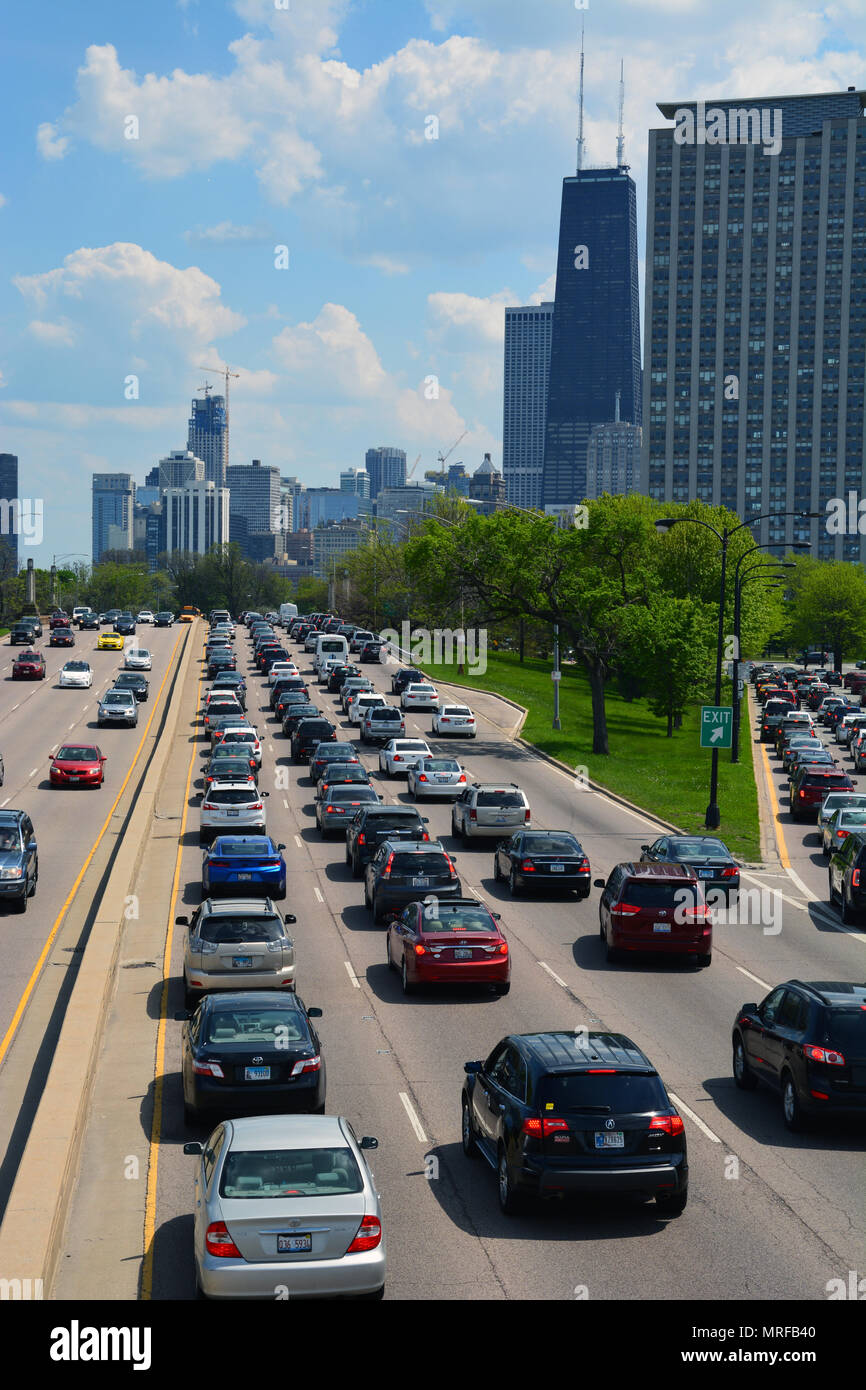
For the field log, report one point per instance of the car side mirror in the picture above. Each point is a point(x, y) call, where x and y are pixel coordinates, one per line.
point(181, 921)
point(368, 1142)
point(425, 820)
point(290, 918)
point(314, 1013)
point(644, 849)
point(599, 883)
point(497, 916)
point(749, 1009)
point(473, 1068)
point(194, 1148)
point(281, 846)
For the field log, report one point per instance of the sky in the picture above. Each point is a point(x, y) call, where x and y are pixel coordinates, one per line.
point(195, 184)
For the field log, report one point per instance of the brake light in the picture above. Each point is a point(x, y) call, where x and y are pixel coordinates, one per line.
point(802, 791)
point(368, 1237)
point(855, 879)
point(271, 863)
point(444, 719)
point(307, 1064)
point(527, 867)
point(730, 872)
point(539, 1128)
point(601, 1071)
point(526, 815)
point(424, 835)
point(624, 910)
point(395, 758)
point(823, 1054)
point(218, 1241)
point(361, 840)
point(219, 864)
point(209, 1069)
point(841, 834)
point(670, 1124)
point(422, 777)
point(452, 871)
point(387, 870)
point(208, 806)
point(502, 949)
point(473, 814)
point(583, 866)
point(421, 950)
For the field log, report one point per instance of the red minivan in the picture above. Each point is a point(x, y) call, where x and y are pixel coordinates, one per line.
point(655, 907)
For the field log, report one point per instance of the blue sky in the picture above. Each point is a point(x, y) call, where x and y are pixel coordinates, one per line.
point(259, 127)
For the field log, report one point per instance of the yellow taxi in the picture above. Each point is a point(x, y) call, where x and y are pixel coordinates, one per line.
point(109, 642)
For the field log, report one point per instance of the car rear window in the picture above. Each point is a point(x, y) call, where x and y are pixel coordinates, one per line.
point(647, 892)
point(290, 1173)
point(384, 712)
point(620, 1093)
point(353, 793)
point(257, 1026)
point(235, 931)
point(444, 917)
point(410, 745)
point(393, 820)
point(421, 863)
point(507, 799)
point(551, 844)
point(847, 1031)
point(258, 848)
point(314, 729)
point(232, 796)
point(840, 779)
point(440, 765)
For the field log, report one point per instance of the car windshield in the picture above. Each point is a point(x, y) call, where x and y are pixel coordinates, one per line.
point(236, 931)
point(76, 753)
point(76, 666)
point(280, 1173)
point(409, 746)
point(685, 850)
point(141, 654)
point(419, 863)
point(647, 892)
point(441, 917)
point(117, 697)
point(440, 765)
point(551, 844)
point(503, 798)
point(840, 779)
point(276, 1027)
point(617, 1093)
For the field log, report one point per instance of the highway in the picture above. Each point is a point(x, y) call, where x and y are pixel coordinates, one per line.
point(771, 1215)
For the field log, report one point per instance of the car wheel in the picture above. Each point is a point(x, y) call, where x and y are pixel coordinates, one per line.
point(705, 958)
point(497, 877)
point(21, 903)
point(375, 1297)
point(509, 1200)
point(744, 1077)
point(791, 1108)
point(367, 902)
point(672, 1206)
point(502, 989)
point(513, 887)
point(611, 952)
point(389, 959)
point(832, 894)
point(467, 1134)
point(408, 985)
point(847, 912)
point(280, 896)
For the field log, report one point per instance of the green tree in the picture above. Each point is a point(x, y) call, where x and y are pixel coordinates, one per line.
point(829, 606)
point(311, 594)
point(670, 651)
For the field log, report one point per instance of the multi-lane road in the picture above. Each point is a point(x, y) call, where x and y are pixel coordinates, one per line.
point(771, 1215)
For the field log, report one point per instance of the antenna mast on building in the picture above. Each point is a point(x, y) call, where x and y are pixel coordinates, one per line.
point(619, 136)
point(226, 372)
point(580, 142)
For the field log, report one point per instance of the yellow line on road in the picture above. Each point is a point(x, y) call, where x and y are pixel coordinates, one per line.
point(31, 983)
point(159, 1065)
point(774, 802)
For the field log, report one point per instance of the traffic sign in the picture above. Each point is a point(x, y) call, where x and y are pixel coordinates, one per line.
point(716, 726)
point(556, 675)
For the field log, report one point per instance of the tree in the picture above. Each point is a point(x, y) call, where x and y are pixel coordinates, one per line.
point(829, 605)
point(311, 594)
point(670, 651)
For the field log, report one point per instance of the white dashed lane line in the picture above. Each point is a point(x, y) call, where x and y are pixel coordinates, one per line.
point(750, 976)
point(298, 842)
point(413, 1118)
point(318, 895)
point(695, 1119)
point(553, 975)
point(352, 976)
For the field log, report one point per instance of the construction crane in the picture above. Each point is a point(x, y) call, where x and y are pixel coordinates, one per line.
point(226, 372)
point(440, 458)
point(412, 469)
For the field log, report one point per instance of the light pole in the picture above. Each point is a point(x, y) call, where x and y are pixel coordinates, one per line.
point(738, 583)
point(713, 819)
point(70, 555)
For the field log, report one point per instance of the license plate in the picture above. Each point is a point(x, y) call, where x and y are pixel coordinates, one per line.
point(74, 778)
point(234, 812)
point(288, 1245)
point(661, 926)
point(257, 1073)
point(420, 882)
point(614, 1140)
point(242, 962)
point(462, 954)
point(557, 868)
point(500, 820)
point(705, 873)
point(244, 878)
point(442, 777)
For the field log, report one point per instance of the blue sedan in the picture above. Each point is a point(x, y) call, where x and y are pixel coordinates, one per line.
point(240, 863)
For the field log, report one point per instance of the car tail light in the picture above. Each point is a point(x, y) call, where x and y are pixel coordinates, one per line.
point(624, 910)
point(422, 777)
point(368, 1237)
point(421, 951)
point(670, 1124)
point(209, 1069)
point(218, 864)
point(539, 1128)
point(307, 1064)
point(208, 806)
point(361, 840)
point(502, 949)
point(527, 867)
point(387, 870)
point(527, 815)
point(583, 866)
point(271, 863)
point(395, 758)
point(444, 719)
point(255, 806)
point(462, 777)
point(424, 835)
point(451, 869)
point(823, 1054)
point(473, 814)
point(841, 834)
point(855, 879)
point(802, 791)
point(218, 1241)
point(730, 872)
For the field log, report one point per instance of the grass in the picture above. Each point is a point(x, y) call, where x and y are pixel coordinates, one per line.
point(668, 776)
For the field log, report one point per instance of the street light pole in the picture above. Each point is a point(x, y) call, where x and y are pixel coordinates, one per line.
point(557, 677)
point(738, 585)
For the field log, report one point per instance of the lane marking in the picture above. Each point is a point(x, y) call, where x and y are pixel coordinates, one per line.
point(750, 976)
point(298, 842)
point(413, 1118)
point(780, 834)
point(32, 770)
point(352, 976)
point(318, 894)
point(3, 803)
point(553, 975)
point(286, 804)
point(18, 706)
point(696, 1119)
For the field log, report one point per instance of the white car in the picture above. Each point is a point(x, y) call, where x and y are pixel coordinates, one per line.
point(401, 754)
point(436, 777)
point(358, 708)
point(145, 616)
point(282, 668)
point(76, 673)
point(231, 807)
point(137, 659)
point(327, 667)
point(360, 638)
point(454, 719)
point(420, 697)
point(237, 734)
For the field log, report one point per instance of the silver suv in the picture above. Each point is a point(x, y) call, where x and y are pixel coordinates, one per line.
point(490, 809)
point(237, 944)
point(117, 707)
point(381, 723)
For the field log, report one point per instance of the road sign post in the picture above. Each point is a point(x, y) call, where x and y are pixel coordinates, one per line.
point(716, 726)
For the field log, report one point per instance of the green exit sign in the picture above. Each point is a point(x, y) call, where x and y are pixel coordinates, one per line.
point(717, 722)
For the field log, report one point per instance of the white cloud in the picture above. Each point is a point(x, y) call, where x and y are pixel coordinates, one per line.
point(334, 351)
point(545, 292)
point(227, 233)
point(53, 334)
point(475, 317)
point(49, 144)
point(387, 264)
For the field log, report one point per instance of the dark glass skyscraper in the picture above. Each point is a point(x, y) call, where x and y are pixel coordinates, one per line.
point(9, 502)
point(595, 344)
point(207, 437)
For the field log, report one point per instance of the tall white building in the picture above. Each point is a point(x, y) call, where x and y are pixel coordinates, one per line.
point(195, 517)
point(528, 330)
point(179, 468)
point(613, 459)
point(113, 503)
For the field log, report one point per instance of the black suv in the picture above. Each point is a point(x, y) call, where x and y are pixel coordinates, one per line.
point(408, 871)
point(373, 824)
point(308, 734)
point(340, 674)
point(574, 1112)
point(18, 857)
point(134, 681)
point(406, 676)
point(295, 713)
point(25, 632)
point(808, 1041)
point(847, 876)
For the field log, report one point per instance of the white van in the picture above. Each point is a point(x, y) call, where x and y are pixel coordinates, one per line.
point(287, 612)
point(330, 644)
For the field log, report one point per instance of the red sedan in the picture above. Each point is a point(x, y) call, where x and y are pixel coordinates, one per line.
point(77, 765)
point(29, 666)
point(453, 941)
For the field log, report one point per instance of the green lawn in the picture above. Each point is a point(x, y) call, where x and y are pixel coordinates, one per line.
point(669, 776)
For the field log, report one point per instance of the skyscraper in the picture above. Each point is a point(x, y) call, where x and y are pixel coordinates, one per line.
point(613, 459)
point(207, 437)
point(113, 504)
point(180, 468)
point(755, 310)
point(386, 467)
point(194, 517)
point(9, 517)
point(595, 341)
point(254, 500)
point(528, 331)
point(355, 480)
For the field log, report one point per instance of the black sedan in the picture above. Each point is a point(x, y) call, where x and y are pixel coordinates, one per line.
point(340, 674)
point(125, 625)
point(251, 1050)
point(406, 871)
point(342, 775)
point(710, 859)
point(134, 681)
point(543, 859)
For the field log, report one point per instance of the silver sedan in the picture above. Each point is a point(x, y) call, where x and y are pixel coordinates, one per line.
point(285, 1206)
point(436, 777)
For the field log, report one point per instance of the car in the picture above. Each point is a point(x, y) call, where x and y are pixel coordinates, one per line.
point(268, 655)
point(709, 858)
point(803, 748)
point(109, 642)
point(434, 776)
point(218, 723)
point(402, 753)
point(286, 685)
point(840, 825)
point(360, 637)
point(163, 618)
point(221, 706)
point(340, 674)
point(454, 942)
point(221, 660)
point(76, 674)
point(659, 908)
point(231, 806)
point(350, 686)
point(134, 681)
point(331, 752)
point(323, 671)
point(486, 809)
point(846, 877)
point(568, 1112)
point(419, 695)
point(336, 807)
point(111, 615)
point(62, 637)
point(233, 681)
point(277, 1174)
point(371, 651)
point(281, 668)
point(341, 775)
point(125, 625)
point(809, 785)
point(405, 871)
point(138, 659)
point(454, 719)
point(362, 701)
point(848, 725)
point(88, 622)
point(542, 859)
point(373, 824)
point(807, 1041)
point(254, 1049)
point(229, 766)
point(236, 939)
point(24, 633)
point(381, 723)
point(29, 666)
point(79, 611)
point(833, 800)
point(58, 619)
point(145, 616)
point(19, 858)
point(77, 765)
point(295, 713)
point(829, 703)
point(238, 863)
point(308, 734)
point(858, 749)
point(774, 715)
point(117, 707)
